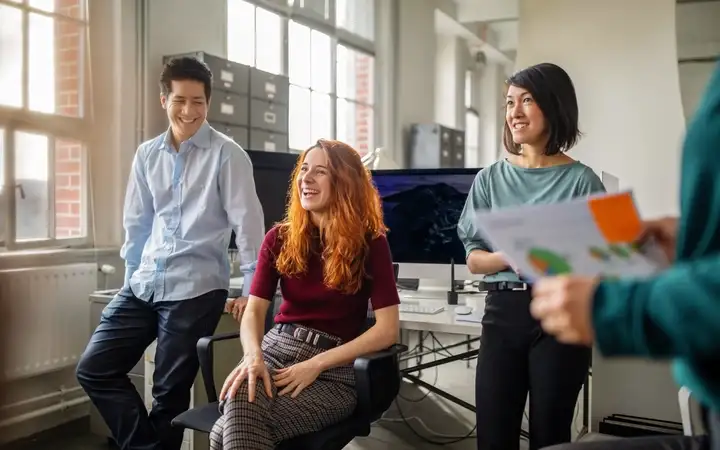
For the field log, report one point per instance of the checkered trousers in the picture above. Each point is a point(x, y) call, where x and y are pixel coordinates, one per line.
point(264, 423)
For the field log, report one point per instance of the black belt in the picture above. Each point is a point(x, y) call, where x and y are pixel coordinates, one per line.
point(308, 336)
point(506, 286)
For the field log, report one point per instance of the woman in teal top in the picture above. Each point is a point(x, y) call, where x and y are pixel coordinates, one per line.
point(516, 356)
point(675, 314)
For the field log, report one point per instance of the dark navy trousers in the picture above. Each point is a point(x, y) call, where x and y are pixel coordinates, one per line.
point(127, 327)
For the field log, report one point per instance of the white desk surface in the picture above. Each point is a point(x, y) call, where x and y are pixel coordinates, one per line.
point(445, 321)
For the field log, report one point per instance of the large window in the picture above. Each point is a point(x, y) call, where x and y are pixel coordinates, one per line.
point(43, 124)
point(326, 49)
point(472, 125)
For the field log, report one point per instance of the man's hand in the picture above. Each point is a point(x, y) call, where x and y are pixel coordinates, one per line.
point(236, 307)
point(664, 233)
point(563, 305)
point(297, 377)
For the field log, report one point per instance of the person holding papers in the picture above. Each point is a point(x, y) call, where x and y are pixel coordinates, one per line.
point(674, 314)
point(516, 356)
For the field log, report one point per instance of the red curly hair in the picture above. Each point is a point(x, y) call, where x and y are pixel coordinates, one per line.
point(354, 218)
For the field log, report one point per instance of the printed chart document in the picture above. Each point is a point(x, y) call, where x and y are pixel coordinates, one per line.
point(596, 235)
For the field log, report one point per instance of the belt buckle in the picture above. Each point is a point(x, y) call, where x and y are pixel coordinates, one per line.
point(300, 333)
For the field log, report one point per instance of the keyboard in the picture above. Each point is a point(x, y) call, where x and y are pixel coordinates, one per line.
point(416, 308)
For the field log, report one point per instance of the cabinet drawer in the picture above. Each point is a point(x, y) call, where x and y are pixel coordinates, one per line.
point(228, 108)
point(269, 87)
point(237, 134)
point(227, 75)
point(268, 116)
point(267, 141)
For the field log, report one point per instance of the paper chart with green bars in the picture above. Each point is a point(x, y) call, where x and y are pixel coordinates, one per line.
point(591, 236)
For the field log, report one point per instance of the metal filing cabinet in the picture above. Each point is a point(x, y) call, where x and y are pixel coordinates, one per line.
point(237, 134)
point(431, 146)
point(458, 150)
point(228, 108)
point(268, 116)
point(227, 75)
point(267, 141)
point(269, 87)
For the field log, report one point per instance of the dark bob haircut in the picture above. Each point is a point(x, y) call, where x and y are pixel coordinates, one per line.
point(185, 68)
point(554, 93)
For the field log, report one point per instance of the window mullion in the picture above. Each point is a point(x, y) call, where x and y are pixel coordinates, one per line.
point(11, 185)
point(25, 60)
point(51, 187)
point(333, 87)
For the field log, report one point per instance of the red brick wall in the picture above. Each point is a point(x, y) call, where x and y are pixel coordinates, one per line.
point(363, 93)
point(68, 154)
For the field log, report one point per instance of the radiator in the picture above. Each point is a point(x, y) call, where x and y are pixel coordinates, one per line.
point(49, 312)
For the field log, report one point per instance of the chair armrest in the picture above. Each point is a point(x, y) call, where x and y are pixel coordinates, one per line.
point(205, 356)
point(377, 381)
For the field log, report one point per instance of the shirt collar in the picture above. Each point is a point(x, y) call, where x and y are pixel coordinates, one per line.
point(200, 139)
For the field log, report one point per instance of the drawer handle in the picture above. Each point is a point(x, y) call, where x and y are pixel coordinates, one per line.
point(269, 117)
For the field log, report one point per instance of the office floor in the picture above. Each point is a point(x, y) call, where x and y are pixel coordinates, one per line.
point(392, 432)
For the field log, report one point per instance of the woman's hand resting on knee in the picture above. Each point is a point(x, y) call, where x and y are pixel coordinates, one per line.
point(252, 368)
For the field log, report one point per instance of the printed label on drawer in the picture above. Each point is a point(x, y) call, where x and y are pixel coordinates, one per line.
point(270, 88)
point(269, 146)
point(226, 75)
point(227, 108)
point(269, 117)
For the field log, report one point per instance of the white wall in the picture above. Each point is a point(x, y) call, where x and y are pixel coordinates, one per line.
point(631, 113)
point(698, 39)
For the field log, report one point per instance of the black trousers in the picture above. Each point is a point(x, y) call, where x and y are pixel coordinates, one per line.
point(711, 441)
point(517, 357)
point(127, 327)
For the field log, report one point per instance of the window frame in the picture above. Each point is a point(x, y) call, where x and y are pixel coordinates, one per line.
point(338, 36)
point(54, 126)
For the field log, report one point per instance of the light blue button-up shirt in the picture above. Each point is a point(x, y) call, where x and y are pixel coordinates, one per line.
point(179, 209)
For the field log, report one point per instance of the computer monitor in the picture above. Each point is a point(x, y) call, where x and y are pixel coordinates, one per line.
point(421, 209)
point(272, 172)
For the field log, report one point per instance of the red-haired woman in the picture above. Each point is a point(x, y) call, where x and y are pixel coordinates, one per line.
point(330, 256)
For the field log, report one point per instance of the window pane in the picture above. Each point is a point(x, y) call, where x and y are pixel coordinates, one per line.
point(11, 56)
point(241, 32)
point(69, 8)
point(69, 193)
point(299, 133)
point(320, 62)
point(321, 117)
point(269, 41)
point(357, 17)
point(355, 125)
point(299, 54)
point(31, 196)
point(55, 62)
point(468, 89)
point(355, 75)
point(315, 8)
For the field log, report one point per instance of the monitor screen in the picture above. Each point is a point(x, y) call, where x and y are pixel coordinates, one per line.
point(272, 172)
point(422, 208)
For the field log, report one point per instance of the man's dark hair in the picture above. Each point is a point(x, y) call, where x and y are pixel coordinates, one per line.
point(185, 68)
point(554, 93)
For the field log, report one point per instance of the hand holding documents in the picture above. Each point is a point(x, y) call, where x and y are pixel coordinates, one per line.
point(592, 236)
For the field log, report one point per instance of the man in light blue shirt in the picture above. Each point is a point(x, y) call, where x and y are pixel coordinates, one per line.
point(188, 187)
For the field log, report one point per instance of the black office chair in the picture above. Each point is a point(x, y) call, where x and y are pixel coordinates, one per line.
point(377, 382)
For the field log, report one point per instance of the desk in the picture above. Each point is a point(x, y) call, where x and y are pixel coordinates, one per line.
point(447, 322)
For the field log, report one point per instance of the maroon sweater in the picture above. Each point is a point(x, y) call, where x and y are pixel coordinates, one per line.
point(306, 299)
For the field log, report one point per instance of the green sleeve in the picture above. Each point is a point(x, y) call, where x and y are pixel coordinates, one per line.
point(590, 183)
point(469, 234)
point(675, 313)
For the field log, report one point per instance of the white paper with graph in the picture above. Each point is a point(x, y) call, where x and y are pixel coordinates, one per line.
point(596, 235)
